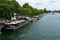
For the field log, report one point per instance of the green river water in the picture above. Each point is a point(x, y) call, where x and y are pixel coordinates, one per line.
point(46, 28)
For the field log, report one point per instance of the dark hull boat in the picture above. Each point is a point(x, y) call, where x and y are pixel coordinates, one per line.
point(14, 25)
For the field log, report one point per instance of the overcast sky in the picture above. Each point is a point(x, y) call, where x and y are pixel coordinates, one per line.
point(40, 4)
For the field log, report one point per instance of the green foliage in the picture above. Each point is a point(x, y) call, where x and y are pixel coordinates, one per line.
point(29, 10)
point(5, 10)
point(9, 7)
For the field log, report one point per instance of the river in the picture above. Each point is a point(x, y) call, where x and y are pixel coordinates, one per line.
point(46, 28)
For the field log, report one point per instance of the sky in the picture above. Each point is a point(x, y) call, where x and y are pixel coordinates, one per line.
point(41, 4)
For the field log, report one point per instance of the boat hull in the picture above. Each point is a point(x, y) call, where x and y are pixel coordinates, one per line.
point(14, 28)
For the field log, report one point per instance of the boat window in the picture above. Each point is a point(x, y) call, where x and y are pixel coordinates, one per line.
point(7, 25)
point(16, 25)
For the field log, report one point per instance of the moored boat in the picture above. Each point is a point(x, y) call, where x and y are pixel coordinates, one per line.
point(14, 25)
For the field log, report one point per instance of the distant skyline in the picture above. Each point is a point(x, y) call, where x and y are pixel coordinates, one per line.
point(41, 4)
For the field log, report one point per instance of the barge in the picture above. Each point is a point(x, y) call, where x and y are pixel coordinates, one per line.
point(14, 25)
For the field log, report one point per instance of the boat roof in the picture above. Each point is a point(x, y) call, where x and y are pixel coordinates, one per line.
point(16, 22)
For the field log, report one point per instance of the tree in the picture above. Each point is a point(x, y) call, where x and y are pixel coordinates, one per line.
point(30, 10)
point(8, 8)
point(26, 5)
point(45, 10)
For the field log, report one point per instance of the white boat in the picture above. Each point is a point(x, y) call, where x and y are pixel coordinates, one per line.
point(14, 25)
